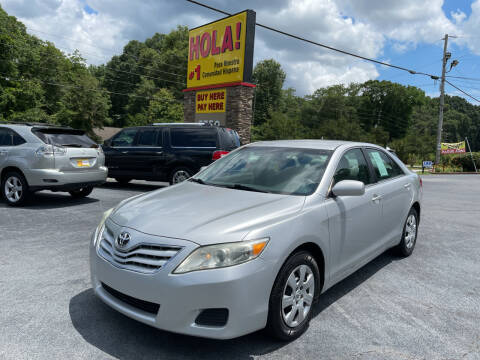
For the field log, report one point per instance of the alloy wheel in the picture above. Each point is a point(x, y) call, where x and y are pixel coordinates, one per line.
point(410, 231)
point(180, 175)
point(298, 295)
point(13, 189)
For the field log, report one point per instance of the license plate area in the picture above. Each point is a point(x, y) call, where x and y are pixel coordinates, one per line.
point(83, 163)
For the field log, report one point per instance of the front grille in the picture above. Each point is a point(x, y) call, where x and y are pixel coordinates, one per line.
point(212, 317)
point(143, 257)
point(143, 305)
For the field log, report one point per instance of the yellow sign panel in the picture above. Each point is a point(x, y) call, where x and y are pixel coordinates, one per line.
point(222, 51)
point(453, 148)
point(212, 101)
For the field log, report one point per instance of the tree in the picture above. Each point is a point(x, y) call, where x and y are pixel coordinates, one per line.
point(389, 105)
point(269, 78)
point(161, 60)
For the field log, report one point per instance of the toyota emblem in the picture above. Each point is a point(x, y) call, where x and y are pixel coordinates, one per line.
point(123, 239)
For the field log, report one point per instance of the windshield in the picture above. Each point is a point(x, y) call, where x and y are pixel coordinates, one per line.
point(268, 169)
point(64, 137)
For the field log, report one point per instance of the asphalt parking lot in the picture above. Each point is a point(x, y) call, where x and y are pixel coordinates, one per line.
point(423, 307)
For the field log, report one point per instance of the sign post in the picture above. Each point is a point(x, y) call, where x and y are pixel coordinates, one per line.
point(471, 155)
point(220, 66)
point(426, 164)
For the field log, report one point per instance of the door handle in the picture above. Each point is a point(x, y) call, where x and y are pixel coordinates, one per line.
point(407, 186)
point(376, 198)
point(3, 153)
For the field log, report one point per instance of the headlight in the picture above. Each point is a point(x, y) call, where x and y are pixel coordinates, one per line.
point(101, 227)
point(221, 255)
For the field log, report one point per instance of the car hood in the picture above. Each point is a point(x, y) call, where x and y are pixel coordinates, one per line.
point(204, 214)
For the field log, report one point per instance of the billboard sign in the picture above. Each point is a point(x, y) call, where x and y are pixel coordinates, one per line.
point(453, 148)
point(222, 51)
point(211, 101)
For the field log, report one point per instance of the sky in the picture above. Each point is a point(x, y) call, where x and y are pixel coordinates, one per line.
point(407, 33)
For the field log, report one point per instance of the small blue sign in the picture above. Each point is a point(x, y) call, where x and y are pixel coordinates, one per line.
point(427, 164)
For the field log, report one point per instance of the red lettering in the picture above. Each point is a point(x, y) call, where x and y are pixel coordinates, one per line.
point(194, 47)
point(227, 40)
point(205, 39)
point(215, 48)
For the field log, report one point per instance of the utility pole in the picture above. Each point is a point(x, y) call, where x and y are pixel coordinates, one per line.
point(442, 101)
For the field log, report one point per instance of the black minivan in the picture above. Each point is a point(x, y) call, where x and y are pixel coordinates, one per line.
point(166, 151)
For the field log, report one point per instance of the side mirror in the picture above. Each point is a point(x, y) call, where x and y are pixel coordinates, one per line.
point(107, 143)
point(349, 188)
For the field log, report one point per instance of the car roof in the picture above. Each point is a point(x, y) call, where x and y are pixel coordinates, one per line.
point(310, 144)
point(176, 125)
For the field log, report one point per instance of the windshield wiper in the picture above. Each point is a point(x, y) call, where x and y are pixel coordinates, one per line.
point(246, 187)
point(199, 181)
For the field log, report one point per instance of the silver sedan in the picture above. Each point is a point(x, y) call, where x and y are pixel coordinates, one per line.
point(254, 239)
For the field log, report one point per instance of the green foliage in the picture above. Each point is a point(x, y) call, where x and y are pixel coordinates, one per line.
point(465, 161)
point(269, 78)
point(141, 71)
point(161, 107)
point(38, 83)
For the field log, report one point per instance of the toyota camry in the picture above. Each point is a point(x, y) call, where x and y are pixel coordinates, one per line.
point(254, 239)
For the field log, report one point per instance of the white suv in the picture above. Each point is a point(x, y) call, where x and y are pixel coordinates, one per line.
point(45, 157)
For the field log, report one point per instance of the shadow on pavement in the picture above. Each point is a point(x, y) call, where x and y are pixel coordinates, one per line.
point(49, 200)
point(143, 187)
point(124, 338)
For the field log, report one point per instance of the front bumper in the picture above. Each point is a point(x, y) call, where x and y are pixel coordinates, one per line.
point(52, 179)
point(243, 289)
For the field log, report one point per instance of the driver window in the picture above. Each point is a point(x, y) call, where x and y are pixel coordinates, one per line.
point(352, 166)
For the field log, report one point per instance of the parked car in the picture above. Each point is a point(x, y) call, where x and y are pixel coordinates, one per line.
point(170, 152)
point(254, 239)
point(42, 157)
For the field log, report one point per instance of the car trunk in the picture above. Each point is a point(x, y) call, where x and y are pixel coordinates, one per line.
point(78, 152)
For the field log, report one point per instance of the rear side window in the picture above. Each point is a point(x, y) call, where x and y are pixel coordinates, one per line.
point(230, 138)
point(64, 137)
point(5, 137)
point(194, 137)
point(17, 139)
point(124, 138)
point(384, 166)
point(10, 138)
point(147, 137)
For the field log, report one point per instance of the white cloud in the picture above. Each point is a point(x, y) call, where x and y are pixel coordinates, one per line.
point(470, 26)
point(360, 26)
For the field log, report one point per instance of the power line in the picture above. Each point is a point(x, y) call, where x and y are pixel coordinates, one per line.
point(413, 72)
point(7, 78)
point(463, 78)
point(111, 80)
point(136, 65)
point(467, 94)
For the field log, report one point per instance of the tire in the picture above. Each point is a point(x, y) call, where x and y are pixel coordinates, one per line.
point(15, 189)
point(284, 320)
point(180, 174)
point(409, 234)
point(123, 181)
point(81, 193)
